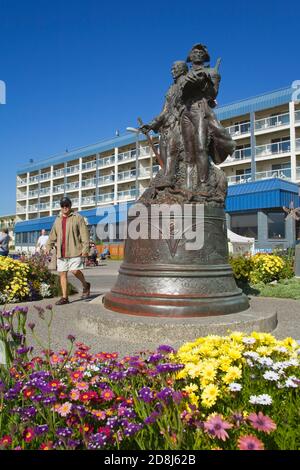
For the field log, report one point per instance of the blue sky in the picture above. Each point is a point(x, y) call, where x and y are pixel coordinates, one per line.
point(76, 71)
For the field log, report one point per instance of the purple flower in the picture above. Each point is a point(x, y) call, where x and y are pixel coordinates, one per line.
point(165, 348)
point(155, 357)
point(151, 419)
point(73, 443)
point(165, 394)
point(97, 441)
point(7, 313)
point(64, 432)
point(71, 338)
point(24, 350)
point(41, 429)
point(31, 325)
point(168, 367)
point(132, 428)
point(146, 394)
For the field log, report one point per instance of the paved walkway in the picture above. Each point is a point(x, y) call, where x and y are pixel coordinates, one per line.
point(102, 279)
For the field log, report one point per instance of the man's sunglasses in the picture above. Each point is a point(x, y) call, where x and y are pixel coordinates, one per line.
point(65, 205)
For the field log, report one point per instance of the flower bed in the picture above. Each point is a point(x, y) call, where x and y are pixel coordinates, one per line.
point(27, 280)
point(233, 392)
point(261, 268)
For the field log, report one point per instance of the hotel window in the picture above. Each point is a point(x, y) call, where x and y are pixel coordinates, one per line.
point(244, 224)
point(276, 225)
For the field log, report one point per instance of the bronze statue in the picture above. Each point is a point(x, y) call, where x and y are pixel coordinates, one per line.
point(188, 126)
point(168, 124)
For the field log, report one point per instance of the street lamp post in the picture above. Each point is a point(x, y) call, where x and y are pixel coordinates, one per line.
point(137, 154)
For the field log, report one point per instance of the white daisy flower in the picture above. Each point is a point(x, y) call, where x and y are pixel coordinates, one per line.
point(235, 387)
point(270, 375)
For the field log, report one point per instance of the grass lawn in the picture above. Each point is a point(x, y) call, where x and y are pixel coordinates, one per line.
point(286, 288)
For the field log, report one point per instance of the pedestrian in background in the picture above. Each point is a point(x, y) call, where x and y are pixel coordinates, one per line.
point(4, 242)
point(42, 242)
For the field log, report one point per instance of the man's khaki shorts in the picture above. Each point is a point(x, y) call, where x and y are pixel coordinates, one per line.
point(69, 264)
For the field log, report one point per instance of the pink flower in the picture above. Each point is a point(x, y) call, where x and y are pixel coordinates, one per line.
point(215, 426)
point(250, 442)
point(261, 422)
point(65, 409)
point(74, 394)
point(107, 394)
point(82, 386)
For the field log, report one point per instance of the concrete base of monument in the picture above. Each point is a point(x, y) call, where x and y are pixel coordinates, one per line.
point(134, 333)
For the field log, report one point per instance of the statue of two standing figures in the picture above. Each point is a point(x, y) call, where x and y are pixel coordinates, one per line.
point(192, 139)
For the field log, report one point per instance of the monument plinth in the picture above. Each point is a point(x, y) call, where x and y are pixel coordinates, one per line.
point(168, 275)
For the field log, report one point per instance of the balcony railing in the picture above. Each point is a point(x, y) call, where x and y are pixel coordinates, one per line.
point(34, 179)
point(128, 194)
point(239, 129)
point(58, 188)
point(32, 194)
point(126, 175)
point(107, 197)
point(272, 121)
point(72, 169)
point(274, 148)
point(33, 208)
point(56, 205)
point(21, 195)
point(241, 154)
point(106, 161)
point(75, 202)
point(284, 173)
point(125, 156)
point(59, 173)
point(72, 186)
point(297, 144)
point(21, 210)
point(106, 179)
point(297, 116)
point(44, 191)
point(21, 181)
point(89, 165)
point(88, 201)
point(45, 176)
point(298, 173)
point(144, 150)
point(88, 183)
point(44, 206)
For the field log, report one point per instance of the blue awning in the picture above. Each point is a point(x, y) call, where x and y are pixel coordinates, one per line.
point(264, 194)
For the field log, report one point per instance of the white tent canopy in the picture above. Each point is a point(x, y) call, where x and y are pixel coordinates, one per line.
point(238, 244)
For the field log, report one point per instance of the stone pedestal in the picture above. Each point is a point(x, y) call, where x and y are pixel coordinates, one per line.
point(160, 277)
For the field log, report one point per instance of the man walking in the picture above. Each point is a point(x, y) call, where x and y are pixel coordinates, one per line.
point(71, 237)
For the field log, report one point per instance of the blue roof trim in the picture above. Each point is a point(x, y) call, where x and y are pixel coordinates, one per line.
point(263, 101)
point(257, 103)
point(99, 147)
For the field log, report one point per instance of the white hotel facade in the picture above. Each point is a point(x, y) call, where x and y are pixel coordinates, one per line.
point(266, 129)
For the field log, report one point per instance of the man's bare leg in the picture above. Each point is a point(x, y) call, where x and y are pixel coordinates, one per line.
point(64, 284)
point(80, 276)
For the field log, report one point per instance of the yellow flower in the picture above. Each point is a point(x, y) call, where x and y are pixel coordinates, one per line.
point(233, 373)
point(209, 395)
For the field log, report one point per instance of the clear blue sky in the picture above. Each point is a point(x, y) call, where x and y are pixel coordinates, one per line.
point(77, 70)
